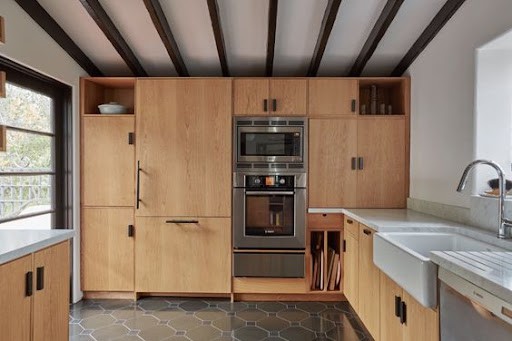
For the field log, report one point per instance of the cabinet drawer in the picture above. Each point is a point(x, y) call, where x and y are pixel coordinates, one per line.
point(325, 221)
point(352, 227)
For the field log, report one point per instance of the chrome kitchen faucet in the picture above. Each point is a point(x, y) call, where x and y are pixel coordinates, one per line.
point(505, 225)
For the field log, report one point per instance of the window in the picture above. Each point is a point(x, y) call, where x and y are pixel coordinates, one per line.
point(35, 177)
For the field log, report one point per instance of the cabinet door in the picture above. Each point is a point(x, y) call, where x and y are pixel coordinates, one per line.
point(351, 273)
point(183, 257)
point(249, 96)
point(184, 147)
point(422, 324)
point(288, 97)
point(390, 326)
point(107, 161)
point(332, 145)
point(51, 300)
point(15, 306)
point(107, 249)
point(333, 97)
point(381, 145)
point(369, 283)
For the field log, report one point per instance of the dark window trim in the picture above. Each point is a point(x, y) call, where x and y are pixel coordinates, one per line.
point(63, 134)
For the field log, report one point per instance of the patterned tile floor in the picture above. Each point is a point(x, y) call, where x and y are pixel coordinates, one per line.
point(154, 319)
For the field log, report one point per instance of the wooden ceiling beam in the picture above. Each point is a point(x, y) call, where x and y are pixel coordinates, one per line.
point(379, 29)
point(271, 36)
point(441, 18)
point(47, 23)
point(104, 22)
point(213, 8)
point(331, 11)
point(164, 31)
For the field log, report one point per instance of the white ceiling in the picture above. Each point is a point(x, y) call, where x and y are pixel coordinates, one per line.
point(244, 24)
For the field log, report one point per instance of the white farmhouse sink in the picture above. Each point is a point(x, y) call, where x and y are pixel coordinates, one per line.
point(405, 258)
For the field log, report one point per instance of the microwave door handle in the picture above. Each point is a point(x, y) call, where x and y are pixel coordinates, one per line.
point(269, 192)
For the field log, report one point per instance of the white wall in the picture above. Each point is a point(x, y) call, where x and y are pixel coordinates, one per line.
point(28, 44)
point(442, 100)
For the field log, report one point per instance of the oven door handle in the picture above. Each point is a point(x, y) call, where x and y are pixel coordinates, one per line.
point(269, 192)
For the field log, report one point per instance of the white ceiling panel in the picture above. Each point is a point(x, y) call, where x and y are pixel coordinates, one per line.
point(353, 24)
point(298, 26)
point(410, 21)
point(192, 28)
point(245, 28)
point(132, 20)
point(81, 28)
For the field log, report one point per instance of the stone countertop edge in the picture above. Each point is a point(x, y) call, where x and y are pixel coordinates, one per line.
point(497, 283)
point(15, 244)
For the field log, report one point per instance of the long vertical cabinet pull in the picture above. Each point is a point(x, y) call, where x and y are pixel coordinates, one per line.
point(40, 278)
point(398, 301)
point(360, 163)
point(353, 163)
point(28, 284)
point(138, 185)
point(403, 312)
point(265, 105)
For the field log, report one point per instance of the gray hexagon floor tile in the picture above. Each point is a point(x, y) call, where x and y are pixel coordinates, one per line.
point(193, 305)
point(203, 333)
point(168, 314)
point(311, 307)
point(293, 315)
point(297, 334)
point(81, 338)
point(110, 332)
point(152, 304)
point(97, 321)
point(251, 314)
point(228, 323)
point(185, 322)
point(317, 324)
point(271, 307)
point(210, 314)
point(273, 323)
point(142, 322)
point(250, 334)
point(232, 307)
point(157, 333)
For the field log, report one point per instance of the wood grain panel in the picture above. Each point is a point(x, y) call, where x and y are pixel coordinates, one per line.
point(290, 96)
point(332, 97)
point(183, 257)
point(332, 145)
point(107, 252)
point(51, 304)
point(325, 221)
point(382, 181)
point(351, 226)
point(248, 96)
point(422, 323)
point(108, 170)
point(15, 307)
point(390, 327)
point(184, 147)
point(351, 271)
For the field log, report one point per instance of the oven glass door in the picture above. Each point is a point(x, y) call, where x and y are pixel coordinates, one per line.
point(270, 144)
point(269, 213)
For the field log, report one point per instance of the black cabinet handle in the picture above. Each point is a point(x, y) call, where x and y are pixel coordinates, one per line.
point(274, 104)
point(40, 278)
point(353, 163)
point(265, 105)
point(344, 245)
point(177, 221)
point(360, 163)
point(367, 232)
point(131, 138)
point(350, 221)
point(138, 185)
point(403, 312)
point(398, 300)
point(28, 284)
point(353, 105)
point(131, 230)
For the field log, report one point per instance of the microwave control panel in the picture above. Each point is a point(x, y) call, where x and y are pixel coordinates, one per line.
point(269, 181)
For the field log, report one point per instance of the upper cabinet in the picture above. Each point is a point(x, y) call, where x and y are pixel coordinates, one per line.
point(270, 96)
point(331, 97)
point(184, 147)
point(384, 96)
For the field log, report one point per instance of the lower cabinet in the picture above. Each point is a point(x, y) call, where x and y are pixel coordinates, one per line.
point(351, 267)
point(34, 296)
point(183, 255)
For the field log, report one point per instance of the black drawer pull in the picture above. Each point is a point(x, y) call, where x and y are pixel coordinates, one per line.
point(177, 221)
point(349, 221)
point(40, 278)
point(403, 312)
point(367, 232)
point(398, 300)
point(28, 284)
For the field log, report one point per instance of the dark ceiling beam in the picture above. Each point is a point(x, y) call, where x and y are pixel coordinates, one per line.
point(47, 23)
point(104, 22)
point(164, 30)
point(331, 11)
point(379, 29)
point(213, 8)
point(271, 37)
point(441, 18)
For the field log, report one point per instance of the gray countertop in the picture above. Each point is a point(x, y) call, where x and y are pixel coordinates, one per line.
point(18, 243)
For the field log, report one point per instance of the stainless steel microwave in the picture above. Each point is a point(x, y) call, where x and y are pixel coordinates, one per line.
point(270, 143)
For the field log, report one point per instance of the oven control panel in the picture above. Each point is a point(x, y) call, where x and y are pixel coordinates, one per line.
point(269, 181)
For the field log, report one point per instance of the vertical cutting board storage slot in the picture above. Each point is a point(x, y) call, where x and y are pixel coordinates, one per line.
point(317, 261)
point(325, 262)
point(333, 261)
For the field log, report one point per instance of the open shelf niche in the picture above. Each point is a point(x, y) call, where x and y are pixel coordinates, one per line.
point(383, 96)
point(96, 91)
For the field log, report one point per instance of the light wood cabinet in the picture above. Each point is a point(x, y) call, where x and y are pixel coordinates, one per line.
point(351, 267)
point(381, 149)
point(422, 324)
point(184, 147)
point(329, 97)
point(270, 96)
point(332, 145)
point(107, 249)
point(369, 283)
point(34, 295)
point(390, 301)
point(107, 161)
point(183, 257)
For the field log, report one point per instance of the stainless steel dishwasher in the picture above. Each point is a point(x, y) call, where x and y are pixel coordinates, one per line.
point(470, 313)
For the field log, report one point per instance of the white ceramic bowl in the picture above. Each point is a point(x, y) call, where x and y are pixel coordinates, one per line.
point(112, 108)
